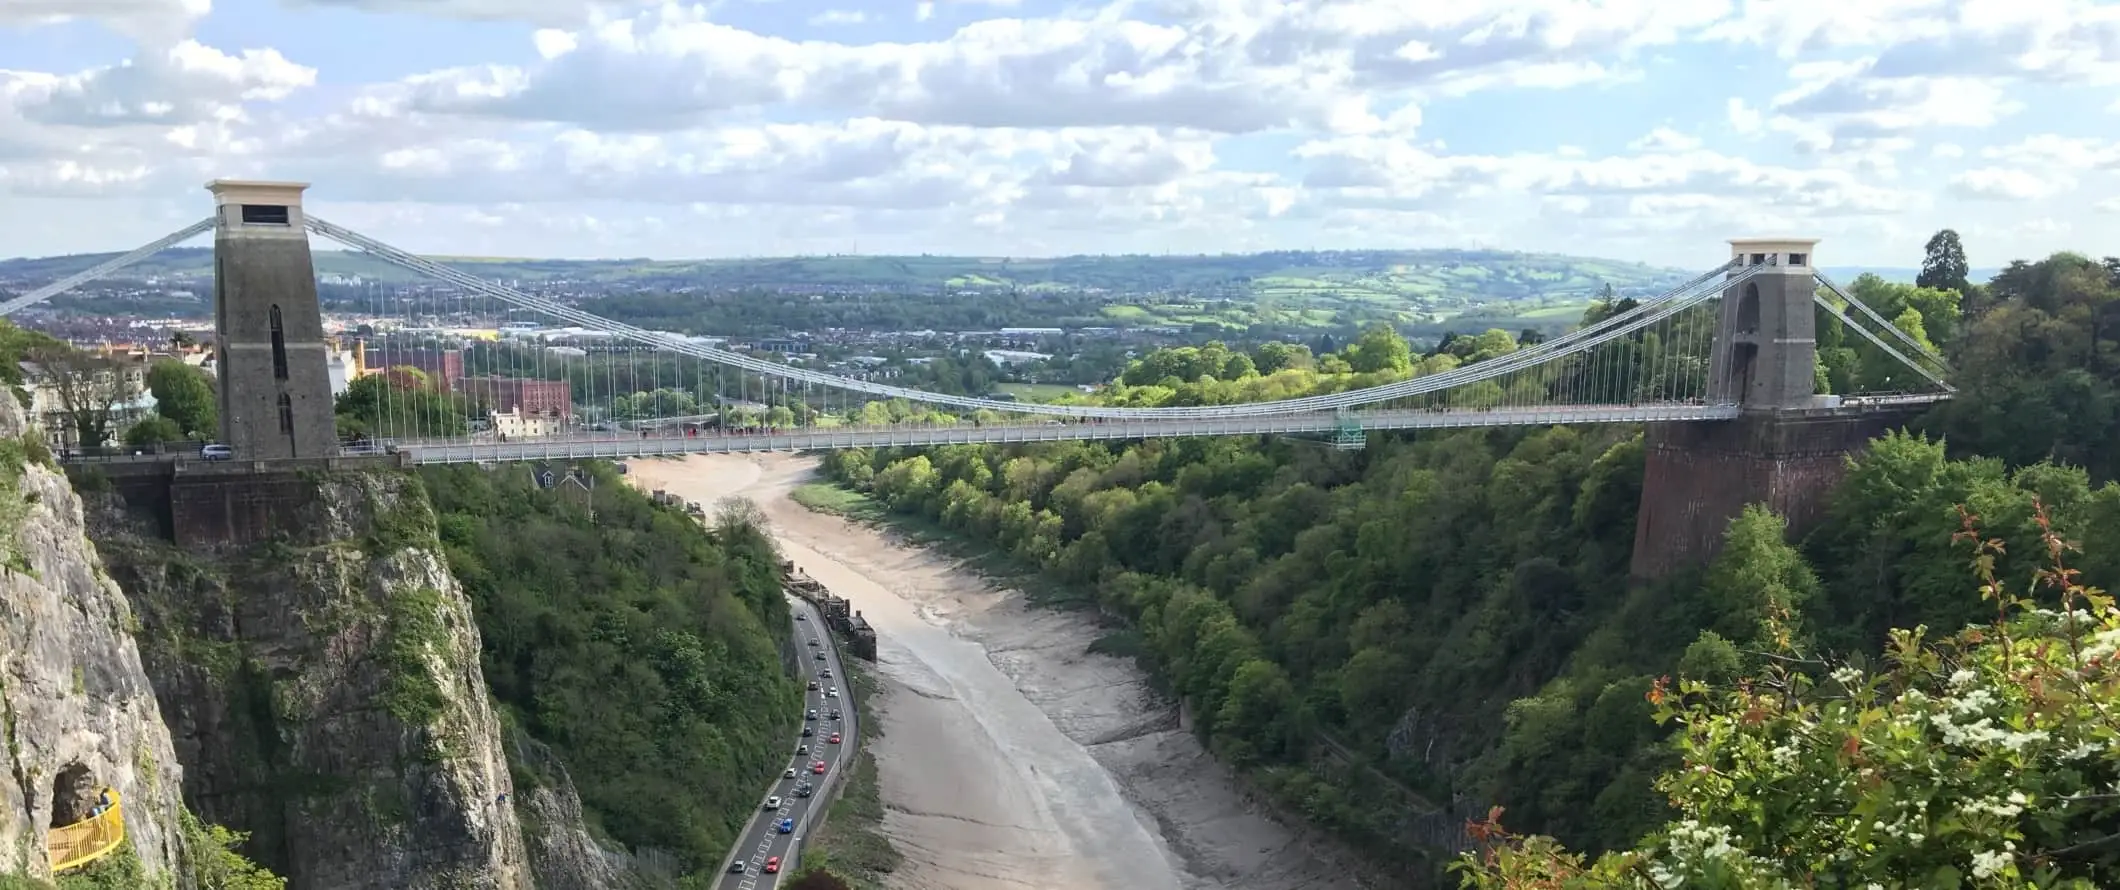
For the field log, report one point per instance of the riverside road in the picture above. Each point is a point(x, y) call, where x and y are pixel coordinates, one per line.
point(762, 839)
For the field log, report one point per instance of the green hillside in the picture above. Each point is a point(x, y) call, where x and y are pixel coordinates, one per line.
point(1283, 286)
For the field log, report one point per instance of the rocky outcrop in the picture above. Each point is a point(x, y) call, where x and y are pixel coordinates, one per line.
point(563, 855)
point(76, 706)
point(324, 691)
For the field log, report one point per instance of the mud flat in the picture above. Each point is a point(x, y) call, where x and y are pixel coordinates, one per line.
point(1011, 757)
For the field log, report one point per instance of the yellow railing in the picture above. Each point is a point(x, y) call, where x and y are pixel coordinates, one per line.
point(90, 839)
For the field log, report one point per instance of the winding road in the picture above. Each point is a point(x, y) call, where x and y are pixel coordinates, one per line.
point(762, 840)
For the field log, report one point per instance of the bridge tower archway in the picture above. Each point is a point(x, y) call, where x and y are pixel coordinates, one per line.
point(274, 373)
point(1766, 347)
point(1699, 476)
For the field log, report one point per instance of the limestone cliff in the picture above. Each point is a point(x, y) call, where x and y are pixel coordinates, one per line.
point(324, 690)
point(76, 706)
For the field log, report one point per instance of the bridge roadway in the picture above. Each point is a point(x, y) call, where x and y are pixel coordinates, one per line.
point(607, 445)
point(761, 838)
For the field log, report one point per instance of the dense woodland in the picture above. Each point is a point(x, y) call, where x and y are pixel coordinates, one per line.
point(641, 651)
point(1453, 608)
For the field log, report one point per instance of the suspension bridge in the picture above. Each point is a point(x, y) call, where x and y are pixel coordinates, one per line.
point(473, 370)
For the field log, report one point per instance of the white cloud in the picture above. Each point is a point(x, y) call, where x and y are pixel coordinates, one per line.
point(1963, 64)
point(640, 127)
point(2109, 205)
point(543, 12)
point(2049, 151)
point(1665, 139)
point(2006, 184)
point(154, 21)
point(187, 84)
point(1745, 119)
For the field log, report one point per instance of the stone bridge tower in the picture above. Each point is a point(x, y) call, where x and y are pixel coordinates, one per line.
point(269, 330)
point(1788, 447)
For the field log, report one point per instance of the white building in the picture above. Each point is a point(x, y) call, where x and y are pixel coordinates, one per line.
point(515, 425)
point(47, 404)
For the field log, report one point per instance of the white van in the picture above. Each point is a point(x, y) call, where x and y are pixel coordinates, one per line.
point(217, 451)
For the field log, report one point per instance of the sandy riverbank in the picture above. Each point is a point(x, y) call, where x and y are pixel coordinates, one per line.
point(1011, 757)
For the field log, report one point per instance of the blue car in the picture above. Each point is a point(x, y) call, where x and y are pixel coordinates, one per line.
point(787, 826)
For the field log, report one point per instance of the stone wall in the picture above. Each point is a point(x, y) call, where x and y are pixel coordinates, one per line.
point(216, 504)
point(1699, 476)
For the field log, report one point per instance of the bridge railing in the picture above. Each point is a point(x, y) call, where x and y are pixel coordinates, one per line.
point(90, 839)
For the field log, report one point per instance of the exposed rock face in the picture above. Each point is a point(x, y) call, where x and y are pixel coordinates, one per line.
point(562, 853)
point(325, 694)
point(75, 705)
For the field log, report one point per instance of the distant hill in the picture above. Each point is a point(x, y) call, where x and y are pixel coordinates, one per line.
point(1897, 274)
point(1303, 287)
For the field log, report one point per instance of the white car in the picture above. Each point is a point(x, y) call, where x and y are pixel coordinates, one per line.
point(789, 774)
point(773, 803)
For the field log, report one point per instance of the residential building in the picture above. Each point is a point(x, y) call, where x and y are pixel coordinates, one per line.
point(122, 383)
point(551, 398)
point(443, 367)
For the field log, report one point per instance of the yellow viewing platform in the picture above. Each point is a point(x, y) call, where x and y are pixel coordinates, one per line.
point(90, 839)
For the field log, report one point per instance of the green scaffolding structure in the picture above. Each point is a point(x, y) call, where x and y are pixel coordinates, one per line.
point(1347, 433)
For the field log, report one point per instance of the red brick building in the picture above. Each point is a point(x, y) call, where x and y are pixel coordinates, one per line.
point(533, 398)
point(443, 367)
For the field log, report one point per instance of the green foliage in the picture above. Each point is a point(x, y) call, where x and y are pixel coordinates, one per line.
point(18, 344)
point(1290, 592)
point(16, 455)
point(1848, 364)
point(819, 879)
point(635, 645)
point(1476, 580)
point(185, 396)
point(409, 522)
point(214, 862)
point(1943, 265)
point(399, 404)
point(2038, 367)
point(1984, 758)
point(1285, 290)
point(414, 637)
point(1381, 349)
point(153, 430)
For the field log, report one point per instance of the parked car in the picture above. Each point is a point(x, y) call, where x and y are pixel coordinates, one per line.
point(217, 451)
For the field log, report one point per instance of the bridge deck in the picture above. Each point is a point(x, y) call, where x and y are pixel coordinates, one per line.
point(831, 438)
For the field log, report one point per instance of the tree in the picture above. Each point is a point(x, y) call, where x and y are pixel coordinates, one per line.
point(1974, 759)
point(153, 430)
point(399, 403)
point(1380, 349)
point(1943, 264)
point(1274, 356)
point(89, 388)
point(185, 395)
point(16, 345)
point(215, 864)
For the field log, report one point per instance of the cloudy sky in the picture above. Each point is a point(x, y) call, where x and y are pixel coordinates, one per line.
point(1639, 129)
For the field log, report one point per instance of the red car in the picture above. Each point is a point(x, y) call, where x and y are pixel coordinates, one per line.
point(817, 767)
point(772, 864)
point(835, 738)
